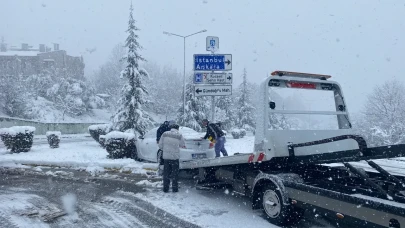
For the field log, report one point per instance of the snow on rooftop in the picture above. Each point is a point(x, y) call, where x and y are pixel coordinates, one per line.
point(19, 53)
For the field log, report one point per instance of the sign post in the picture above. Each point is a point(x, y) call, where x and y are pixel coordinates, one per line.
point(212, 83)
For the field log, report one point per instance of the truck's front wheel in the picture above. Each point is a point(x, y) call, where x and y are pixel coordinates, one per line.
point(275, 209)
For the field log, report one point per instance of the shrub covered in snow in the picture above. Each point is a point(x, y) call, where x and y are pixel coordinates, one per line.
point(18, 138)
point(101, 140)
point(119, 145)
point(99, 129)
point(53, 138)
point(238, 133)
point(235, 133)
point(242, 132)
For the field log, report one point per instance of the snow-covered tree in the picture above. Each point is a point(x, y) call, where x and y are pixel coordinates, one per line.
point(245, 110)
point(382, 120)
point(106, 79)
point(195, 110)
point(224, 112)
point(131, 114)
point(71, 96)
point(165, 89)
point(13, 95)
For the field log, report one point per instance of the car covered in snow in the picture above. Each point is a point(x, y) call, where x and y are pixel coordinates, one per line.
point(196, 148)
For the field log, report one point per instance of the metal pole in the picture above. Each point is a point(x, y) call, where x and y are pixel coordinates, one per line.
point(184, 67)
point(184, 80)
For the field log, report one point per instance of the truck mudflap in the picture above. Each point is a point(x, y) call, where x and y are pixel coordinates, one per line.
point(353, 207)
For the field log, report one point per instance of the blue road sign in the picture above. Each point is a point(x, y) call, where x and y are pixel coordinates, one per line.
point(198, 78)
point(204, 62)
point(212, 43)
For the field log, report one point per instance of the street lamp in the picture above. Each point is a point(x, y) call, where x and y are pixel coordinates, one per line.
point(184, 68)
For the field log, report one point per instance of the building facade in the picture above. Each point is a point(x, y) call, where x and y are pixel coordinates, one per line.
point(27, 61)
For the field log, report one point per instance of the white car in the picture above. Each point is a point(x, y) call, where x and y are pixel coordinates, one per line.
point(196, 148)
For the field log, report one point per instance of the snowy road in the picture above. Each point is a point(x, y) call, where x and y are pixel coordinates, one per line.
point(33, 200)
point(29, 197)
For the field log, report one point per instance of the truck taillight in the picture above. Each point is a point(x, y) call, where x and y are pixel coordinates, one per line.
point(301, 85)
point(211, 145)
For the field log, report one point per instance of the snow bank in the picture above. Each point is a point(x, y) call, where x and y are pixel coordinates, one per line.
point(87, 155)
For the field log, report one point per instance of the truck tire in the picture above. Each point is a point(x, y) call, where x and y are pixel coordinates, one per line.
point(274, 209)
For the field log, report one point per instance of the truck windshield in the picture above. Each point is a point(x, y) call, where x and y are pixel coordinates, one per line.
point(292, 109)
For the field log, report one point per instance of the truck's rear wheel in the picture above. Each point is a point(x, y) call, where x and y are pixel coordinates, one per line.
point(274, 208)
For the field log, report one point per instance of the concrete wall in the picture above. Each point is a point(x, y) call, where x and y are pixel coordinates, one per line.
point(42, 128)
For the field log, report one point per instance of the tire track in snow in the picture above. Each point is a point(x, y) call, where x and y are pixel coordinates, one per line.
point(160, 217)
point(15, 204)
point(117, 217)
point(5, 221)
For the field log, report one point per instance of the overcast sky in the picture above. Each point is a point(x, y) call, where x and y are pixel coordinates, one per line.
point(360, 43)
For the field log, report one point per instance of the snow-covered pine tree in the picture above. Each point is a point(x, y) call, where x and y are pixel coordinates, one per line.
point(224, 112)
point(130, 114)
point(245, 111)
point(196, 108)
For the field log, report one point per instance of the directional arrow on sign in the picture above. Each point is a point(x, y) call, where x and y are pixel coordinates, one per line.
point(228, 61)
point(229, 77)
point(198, 90)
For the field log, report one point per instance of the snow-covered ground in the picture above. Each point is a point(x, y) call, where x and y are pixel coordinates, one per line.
point(80, 151)
point(206, 208)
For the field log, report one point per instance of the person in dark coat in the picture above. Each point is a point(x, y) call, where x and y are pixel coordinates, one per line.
point(217, 136)
point(162, 129)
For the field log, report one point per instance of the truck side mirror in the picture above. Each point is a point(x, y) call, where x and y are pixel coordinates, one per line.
point(272, 105)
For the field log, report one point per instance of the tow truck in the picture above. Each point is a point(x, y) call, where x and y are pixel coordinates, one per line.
point(291, 171)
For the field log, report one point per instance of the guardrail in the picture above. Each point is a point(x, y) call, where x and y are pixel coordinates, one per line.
point(42, 127)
